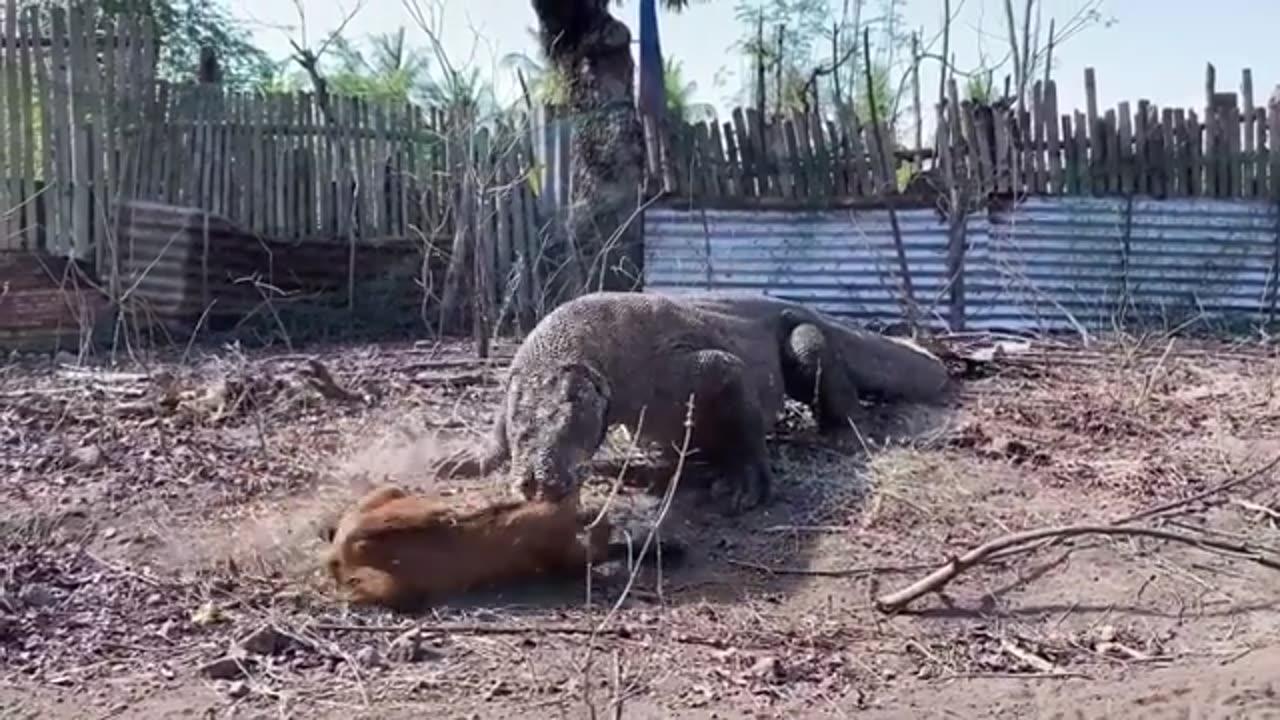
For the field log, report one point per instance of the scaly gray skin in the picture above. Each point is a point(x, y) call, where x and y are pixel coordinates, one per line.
point(634, 359)
point(829, 365)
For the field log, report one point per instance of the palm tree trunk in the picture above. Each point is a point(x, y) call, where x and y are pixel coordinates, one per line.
point(592, 50)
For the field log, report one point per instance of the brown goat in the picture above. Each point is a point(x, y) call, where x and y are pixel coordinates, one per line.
point(400, 550)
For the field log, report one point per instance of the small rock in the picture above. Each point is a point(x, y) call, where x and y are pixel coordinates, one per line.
point(408, 648)
point(87, 456)
point(306, 661)
point(725, 654)
point(767, 668)
point(109, 533)
point(266, 640)
point(367, 656)
point(238, 689)
point(228, 667)
point(37, 595)
point(1107, 633)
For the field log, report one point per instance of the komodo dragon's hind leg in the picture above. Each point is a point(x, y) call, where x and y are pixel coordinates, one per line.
point(814, 374)
point(729, 428)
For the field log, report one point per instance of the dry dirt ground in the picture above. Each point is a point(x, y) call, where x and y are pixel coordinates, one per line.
point(161, 551)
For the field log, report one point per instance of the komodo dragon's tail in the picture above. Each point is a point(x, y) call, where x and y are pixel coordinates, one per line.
point(893, 368)
point(475, 461)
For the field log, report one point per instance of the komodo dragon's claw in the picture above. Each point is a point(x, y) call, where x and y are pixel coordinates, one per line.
point(742, 491)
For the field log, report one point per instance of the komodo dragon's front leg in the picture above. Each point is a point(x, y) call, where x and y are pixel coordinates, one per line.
point(728, 428)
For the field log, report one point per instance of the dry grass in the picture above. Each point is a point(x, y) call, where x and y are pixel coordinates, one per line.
point(910, 485)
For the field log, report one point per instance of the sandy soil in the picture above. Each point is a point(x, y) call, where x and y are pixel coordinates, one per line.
point(161, 537)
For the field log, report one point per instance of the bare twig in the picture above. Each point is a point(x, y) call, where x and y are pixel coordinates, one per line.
point(1028, 657)
point(1259, 508)
point(1222, 487)
point(939, 578)
point(1013, 46)
point(663, 509)
point(309, 60)
point(1022, 676)
point(886, 151)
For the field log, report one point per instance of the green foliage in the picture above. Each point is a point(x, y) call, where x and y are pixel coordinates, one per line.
point(386, 69)
point(464, 90)
point(184, 26)
point(547, 86)
point(789, 26)
point(811, 52)
point(283, 78)
point(882, 84)
point(980, 87)
point(679, 95)
point(903, 176)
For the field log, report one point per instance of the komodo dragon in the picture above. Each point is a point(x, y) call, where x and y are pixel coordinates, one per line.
point(634, 359)
point(605, 358)
point(829, 365)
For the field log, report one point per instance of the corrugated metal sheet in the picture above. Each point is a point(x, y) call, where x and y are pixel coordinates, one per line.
point(1099, 259)
point(165, 259)
point(841, 261)
point(45, 302)
point(1047, 264)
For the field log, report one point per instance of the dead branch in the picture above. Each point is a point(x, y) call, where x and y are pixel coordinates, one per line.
point(886, 150)
point(319, 377)
point(939, 578)
point(309, 60)
point(1258, 508)
point(1221, 487)
point(1021, 676)
point(1103, 648)
point(821, 71)
point(1029, 658)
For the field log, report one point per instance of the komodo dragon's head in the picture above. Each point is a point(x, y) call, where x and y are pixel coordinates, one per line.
point(556, 419)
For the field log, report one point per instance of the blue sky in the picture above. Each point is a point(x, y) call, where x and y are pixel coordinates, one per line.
point(1156, 49)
